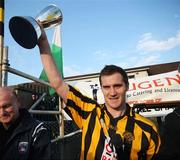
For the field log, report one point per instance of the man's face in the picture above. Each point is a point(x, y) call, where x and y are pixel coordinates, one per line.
point(114, 90)
point(8, 106)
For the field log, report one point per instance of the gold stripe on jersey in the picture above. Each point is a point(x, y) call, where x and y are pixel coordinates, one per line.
point(136, 143)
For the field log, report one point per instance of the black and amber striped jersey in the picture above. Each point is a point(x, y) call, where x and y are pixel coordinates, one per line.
point(134, 136)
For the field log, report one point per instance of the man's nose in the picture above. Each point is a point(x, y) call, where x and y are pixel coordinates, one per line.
point(2, 111)
point(112, 91)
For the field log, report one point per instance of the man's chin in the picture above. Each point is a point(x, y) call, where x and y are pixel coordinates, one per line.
point(114, 105)
point(5, 120)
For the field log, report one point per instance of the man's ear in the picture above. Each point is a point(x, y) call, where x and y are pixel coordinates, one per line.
point(127, 87)
point(18, 103)
point(18, 99)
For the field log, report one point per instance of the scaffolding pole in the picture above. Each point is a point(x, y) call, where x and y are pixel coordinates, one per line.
point(1, 37)
point(5, 64)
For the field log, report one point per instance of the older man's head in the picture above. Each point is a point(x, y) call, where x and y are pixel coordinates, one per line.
point(9, 106)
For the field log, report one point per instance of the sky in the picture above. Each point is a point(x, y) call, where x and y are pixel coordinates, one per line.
point(128, 33)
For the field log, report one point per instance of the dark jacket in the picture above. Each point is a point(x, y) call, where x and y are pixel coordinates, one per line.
point(170, 147)
point(29, 140)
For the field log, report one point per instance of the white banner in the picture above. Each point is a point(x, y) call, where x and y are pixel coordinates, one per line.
point(147, 90)
point(154, 89)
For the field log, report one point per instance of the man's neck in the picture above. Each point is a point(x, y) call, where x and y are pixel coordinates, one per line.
point(6, 126)
point(117, 112)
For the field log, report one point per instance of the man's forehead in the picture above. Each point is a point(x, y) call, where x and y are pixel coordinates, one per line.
point(6, 93)
point(112, 77)
point(6, 89)
point(6, 99)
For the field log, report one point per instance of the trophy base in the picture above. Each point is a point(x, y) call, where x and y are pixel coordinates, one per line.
point(25, 31)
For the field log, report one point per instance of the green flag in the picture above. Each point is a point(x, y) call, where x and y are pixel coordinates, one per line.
point(56, 51)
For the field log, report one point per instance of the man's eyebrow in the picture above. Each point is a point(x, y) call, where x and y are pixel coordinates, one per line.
point(5, 105)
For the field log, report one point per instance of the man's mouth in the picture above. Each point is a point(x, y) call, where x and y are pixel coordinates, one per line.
point(4, 117)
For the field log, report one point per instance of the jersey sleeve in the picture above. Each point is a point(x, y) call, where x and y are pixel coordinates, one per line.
point(79, 106)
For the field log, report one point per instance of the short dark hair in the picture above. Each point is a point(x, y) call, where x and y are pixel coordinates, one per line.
point(111, 69)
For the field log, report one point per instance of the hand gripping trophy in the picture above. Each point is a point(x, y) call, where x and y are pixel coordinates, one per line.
point(26, 30)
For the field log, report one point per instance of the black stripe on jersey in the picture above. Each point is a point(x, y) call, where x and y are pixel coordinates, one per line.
point(1, 28)
point(144, 126)
point(81, 96)
point(83, 114)
point(149, 129)
point(128, 145)
point(68, 112)
point(144, 145)
point(2, 4)
point(100, 146)
point(154, 137)
point(91, 127)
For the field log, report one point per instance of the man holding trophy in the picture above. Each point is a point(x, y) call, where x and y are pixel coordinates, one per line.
point(110, 131)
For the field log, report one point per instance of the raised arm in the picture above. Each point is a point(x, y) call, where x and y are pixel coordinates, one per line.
point(51, 70)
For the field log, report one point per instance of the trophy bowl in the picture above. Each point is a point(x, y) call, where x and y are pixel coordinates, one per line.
point(25, 29)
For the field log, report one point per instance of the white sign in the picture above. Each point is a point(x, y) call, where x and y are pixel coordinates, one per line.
point(156, 89)
point(147, 90)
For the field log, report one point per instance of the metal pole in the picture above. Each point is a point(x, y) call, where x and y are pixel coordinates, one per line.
point(61, 118)
point(37, 102)
point(1, 36)
point(22, 74)
point(43, 112)
point(5, 63)
point(66, 136)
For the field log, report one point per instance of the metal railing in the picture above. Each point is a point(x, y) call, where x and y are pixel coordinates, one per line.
point(6, 68)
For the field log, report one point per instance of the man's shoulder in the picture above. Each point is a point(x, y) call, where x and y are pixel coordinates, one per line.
point(144, 120)
point(26, 116)
point(173, 116)
point(28, 121)
point(40, 126)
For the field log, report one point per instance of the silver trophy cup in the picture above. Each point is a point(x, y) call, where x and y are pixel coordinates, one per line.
point(26, 31)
